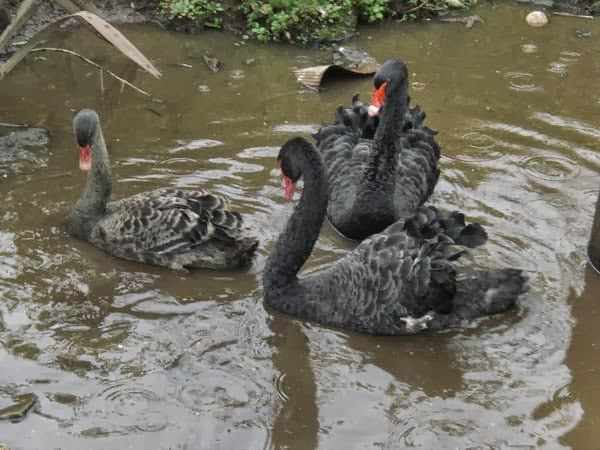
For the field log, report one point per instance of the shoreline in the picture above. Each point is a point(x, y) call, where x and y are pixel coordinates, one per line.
point(146, 11)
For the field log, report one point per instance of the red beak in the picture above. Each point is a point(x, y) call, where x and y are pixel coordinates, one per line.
point(85, 158)
point(377, 100)
point(289, 187)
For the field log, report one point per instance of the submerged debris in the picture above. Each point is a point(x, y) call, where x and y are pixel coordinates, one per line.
point(23, 148)
point(469, 21)
point(583, 34)
point(346, 61)
point(18, 410)
point(213, 63)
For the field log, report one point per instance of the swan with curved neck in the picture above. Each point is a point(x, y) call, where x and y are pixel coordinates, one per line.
point(401, 281)
point(179, 229)
point(375, 182)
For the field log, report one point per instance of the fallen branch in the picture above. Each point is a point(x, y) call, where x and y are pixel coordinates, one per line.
point(89, 61)
point(558, 13)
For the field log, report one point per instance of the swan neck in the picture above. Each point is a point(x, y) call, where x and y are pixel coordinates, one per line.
point(381, 165)
point(296, 242)
point(91, 205)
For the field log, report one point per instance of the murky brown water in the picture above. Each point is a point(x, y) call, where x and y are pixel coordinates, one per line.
point(127, 356)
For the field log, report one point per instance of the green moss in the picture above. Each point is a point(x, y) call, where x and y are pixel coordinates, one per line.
point(299, 21)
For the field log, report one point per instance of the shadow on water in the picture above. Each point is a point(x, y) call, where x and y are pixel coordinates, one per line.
point(583, 360)
point(296, 422)
point(128, 356)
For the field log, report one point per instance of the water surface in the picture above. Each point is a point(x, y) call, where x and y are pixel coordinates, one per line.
point(123, 355)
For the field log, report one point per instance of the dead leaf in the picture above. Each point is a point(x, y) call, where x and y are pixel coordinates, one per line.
point(116, 38)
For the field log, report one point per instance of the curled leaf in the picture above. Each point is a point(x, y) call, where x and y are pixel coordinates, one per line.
point(116, 38)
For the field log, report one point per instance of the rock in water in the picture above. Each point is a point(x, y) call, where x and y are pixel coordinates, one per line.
point(536, 19)
point(22, 150)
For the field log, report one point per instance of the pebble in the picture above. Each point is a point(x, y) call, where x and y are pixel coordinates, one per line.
point(536, 19)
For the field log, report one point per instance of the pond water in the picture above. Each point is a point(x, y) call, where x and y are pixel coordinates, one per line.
point(122, 355)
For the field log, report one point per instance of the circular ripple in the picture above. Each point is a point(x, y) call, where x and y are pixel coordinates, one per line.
point(237, 74)
point(217, 390)
point(419, 86)
point(529, 48)
point(419, 431)
point(279, 384)
point(481, 148)
point(521, 81)
point(553, 210)
point(569, 57)
point(590, 197)
point(136, 406)
point(558, 68)
point(549, 168)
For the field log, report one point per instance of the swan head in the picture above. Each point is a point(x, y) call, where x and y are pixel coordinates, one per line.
point(390, 73)
point(85, 123)
point(289, 164)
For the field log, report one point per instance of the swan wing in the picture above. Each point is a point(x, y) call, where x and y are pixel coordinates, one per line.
point(167, 222)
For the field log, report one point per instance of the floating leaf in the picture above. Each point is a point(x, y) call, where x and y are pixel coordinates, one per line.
point(116, 38)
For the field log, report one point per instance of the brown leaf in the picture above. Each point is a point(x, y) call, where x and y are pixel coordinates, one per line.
point(116, 38)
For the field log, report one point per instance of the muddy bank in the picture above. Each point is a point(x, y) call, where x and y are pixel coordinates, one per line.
point(233, 20)
point(115, 11)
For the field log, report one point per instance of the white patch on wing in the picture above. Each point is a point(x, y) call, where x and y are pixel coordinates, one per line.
point(414, 325)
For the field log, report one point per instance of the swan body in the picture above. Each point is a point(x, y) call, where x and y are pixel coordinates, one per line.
point(375, 182)
point(174, 228)
point(401, 281)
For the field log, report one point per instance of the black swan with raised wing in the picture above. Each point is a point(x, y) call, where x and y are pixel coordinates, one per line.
point(401, 281)
point(174, 228)
point(375, 182)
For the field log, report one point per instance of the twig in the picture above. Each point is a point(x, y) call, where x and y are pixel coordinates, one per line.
point(415, 8)
point(102, 81)
point(89, 61)
point(559, 13)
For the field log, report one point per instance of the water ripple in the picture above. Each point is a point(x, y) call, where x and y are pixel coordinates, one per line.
point(568, 123)
point(126, 406)
point(529, 48)
point(279, 386)
point(195, 145)
point(259, 152)
point(569, 57)
point(418, 86)
point(481, 148)
point(237, 74)
point(296, 128)
point(558, 68)
point(521, 81)
point(549, 167)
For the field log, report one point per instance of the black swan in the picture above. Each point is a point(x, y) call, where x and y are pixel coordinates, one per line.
point(401, 281)
point(375, 182)
point(173, 228)
point(594, 244)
